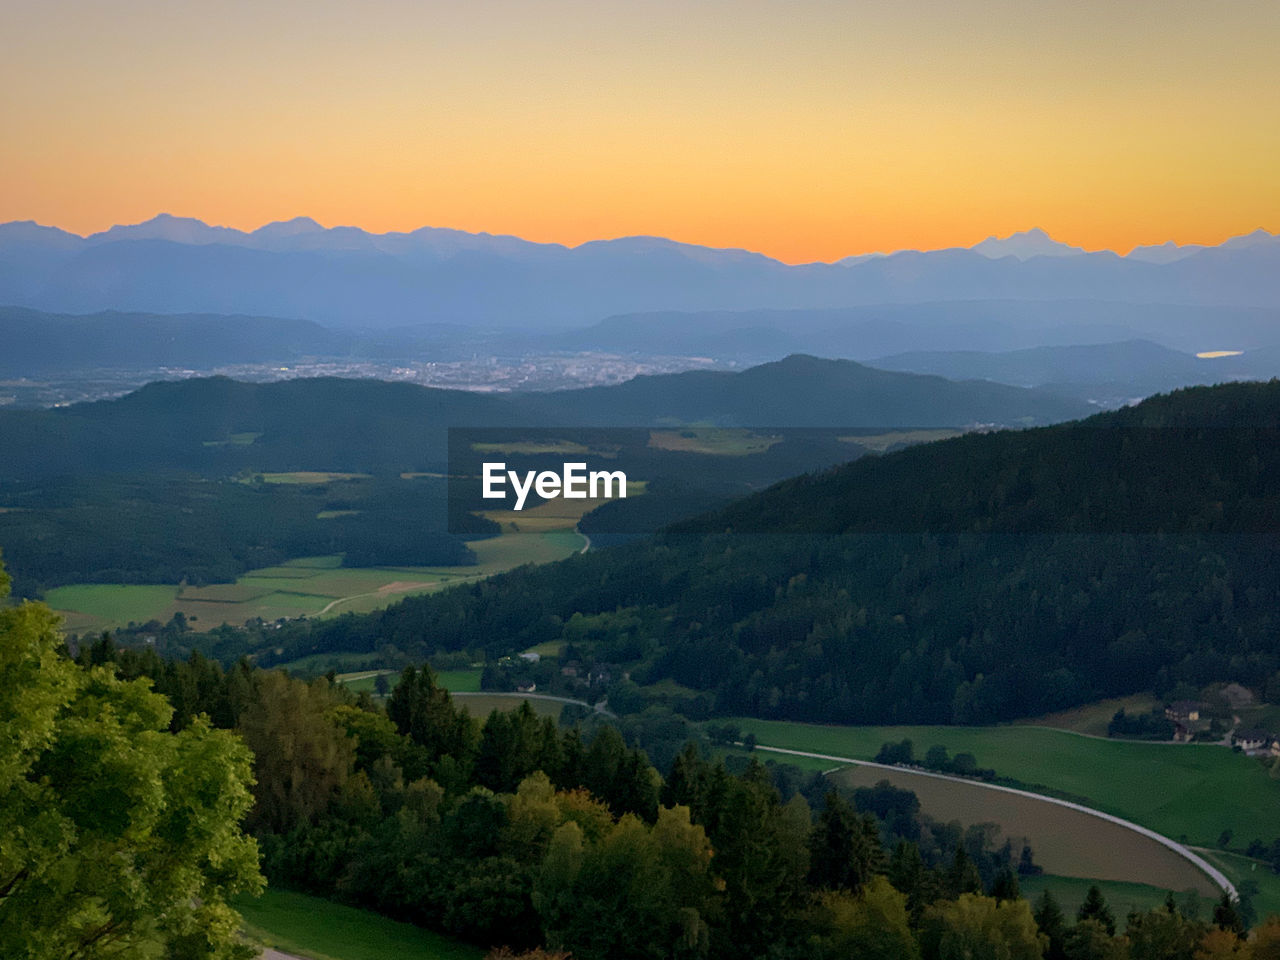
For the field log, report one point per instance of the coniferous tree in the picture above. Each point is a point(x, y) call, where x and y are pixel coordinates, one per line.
point(1053, 924)
point(1095, 907)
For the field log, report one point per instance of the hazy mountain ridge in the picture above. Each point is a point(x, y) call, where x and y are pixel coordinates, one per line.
point(379, 427)
point(349, 277)
point(1136, 367)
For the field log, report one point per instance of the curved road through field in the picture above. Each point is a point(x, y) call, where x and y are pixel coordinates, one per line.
point(1214, 874)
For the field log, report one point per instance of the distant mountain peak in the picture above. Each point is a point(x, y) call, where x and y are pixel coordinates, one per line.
point(1025, 245)
point(166, 226)
point(289, 228)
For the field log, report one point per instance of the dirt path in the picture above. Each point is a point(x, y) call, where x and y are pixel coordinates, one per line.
point(1214, 874)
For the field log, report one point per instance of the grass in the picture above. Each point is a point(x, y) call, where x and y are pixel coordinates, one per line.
point(1092, 718)
point(305, 586)
point(558, 515)
point(459, 681)
point(482, 704)
point(114, 603)
point(1123, 898)
point(1191, 791)
point(1239, 869)
point(310, 477)
point(533, 447)
point(1065, 842)
point(716, 441)
point(311, 927)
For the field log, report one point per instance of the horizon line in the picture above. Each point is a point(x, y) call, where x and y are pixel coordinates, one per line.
point(1033, 230)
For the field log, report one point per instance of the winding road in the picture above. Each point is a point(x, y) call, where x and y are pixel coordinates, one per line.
point(1214, 874)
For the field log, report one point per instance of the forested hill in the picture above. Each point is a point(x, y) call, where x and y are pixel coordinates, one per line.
point(1203, 460)
point(218, 426)
point(917, 622)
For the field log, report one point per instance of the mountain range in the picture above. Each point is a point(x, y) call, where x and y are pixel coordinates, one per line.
point(217, 426)
point(347, 277)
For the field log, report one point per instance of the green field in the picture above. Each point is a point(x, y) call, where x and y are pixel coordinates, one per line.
point(1092, 718)
point(1241, 869)
point(1123, 898)
point(716, 441)
point(482, 704)
point(306, 586)
point(1191, 791)
point(459, 681)
point(111, 604)
point(316, 928)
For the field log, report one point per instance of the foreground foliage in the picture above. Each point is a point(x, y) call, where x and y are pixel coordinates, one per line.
point(118, 838)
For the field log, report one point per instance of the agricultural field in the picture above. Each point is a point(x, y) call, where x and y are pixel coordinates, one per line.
point(307, 586)
point(716, 441)
point(322, 930)
point(308, 477)
point(559, 515)
point(482, 704)
point(1091, 719)
point(1189, 792)
point(1066, 842)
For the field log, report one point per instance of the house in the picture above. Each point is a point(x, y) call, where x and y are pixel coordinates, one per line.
point(530, 656)
point(1183, 711)
point(1251, 740)
point(1181, 734)
point(526, 687)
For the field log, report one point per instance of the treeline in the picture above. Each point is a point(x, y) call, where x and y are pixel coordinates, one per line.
point(120, 529)
point(936, 758)
point(979, 579)
point(515, 832)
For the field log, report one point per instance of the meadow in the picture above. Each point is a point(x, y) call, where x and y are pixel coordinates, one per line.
point(1189, 792)
point(305, 586)
point(482, 704)
point(1123, 898)
point(322, 930)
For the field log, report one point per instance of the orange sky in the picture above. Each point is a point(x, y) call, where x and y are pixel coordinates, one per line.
point(810, 129)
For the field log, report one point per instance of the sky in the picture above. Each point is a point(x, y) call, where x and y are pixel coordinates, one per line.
point(807, 129)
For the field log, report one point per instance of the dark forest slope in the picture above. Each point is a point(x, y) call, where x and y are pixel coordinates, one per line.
point(993, 576)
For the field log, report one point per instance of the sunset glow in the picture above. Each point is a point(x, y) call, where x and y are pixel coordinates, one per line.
point(809, 131)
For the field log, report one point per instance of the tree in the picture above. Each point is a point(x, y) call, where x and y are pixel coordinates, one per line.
point(844, 848)
point(1162, 935)
point(424, 712)
point(594, 899)
point(1227, 917)
point(975, 927)
point(1005, 885)
point(1095, 907)
point(1220, 944)
point(302, 756)
point(1266, 940)
point(117, 837)
point(1089, 940)
point(962, 875)
point(871, 925)
point(1053, 924)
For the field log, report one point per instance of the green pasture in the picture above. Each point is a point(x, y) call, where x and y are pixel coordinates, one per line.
point(321, 930)
point(1188, 792)
point(305, 586)
point(482, 704)
point(1123, 898)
